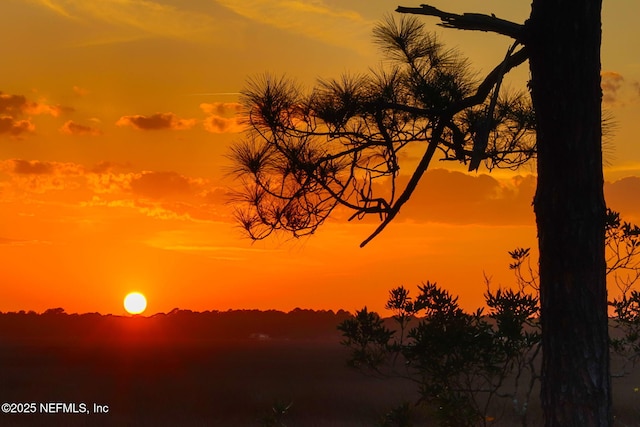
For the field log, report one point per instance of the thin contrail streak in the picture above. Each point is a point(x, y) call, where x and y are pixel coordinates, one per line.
point(213, 93)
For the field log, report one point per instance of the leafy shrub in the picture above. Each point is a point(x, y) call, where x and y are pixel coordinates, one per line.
point(464, 362)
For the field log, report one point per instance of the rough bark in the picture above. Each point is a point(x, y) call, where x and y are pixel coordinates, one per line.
point(563, 41)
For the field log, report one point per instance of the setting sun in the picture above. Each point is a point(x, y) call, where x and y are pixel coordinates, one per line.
point(135, 303)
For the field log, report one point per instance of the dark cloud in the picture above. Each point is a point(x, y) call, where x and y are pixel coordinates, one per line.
point(13, 107)
point(72, 128)
point(217, 196)
point(13, 127)
point(221, 108)
point(215, 124)
point(222, 117)
point(611, 84)
point(103, 166)
point(33, 167)
point(624, 196)
point(12, 104)
point(156, 121)
point(458, 198)
point(17, 105)
point(163, 195)
point(157, 185)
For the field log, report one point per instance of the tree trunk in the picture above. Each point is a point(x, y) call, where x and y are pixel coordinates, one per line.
point(563, 38)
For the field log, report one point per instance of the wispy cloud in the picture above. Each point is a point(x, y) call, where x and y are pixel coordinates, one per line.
point(151, 17)
point(16, 242)
point(208, 246)
point(80, 91)
point(311, 18)
point(56, 6)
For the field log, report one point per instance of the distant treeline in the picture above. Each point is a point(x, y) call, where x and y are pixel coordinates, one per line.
point(56, 325)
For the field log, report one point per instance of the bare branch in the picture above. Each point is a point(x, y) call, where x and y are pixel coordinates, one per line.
point(492, 78)
point(411, 186)
point(469, 21)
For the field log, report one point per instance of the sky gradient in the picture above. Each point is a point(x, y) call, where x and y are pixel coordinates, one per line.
point(115, 117)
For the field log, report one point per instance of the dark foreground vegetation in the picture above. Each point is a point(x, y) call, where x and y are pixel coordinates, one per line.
point(235, 368)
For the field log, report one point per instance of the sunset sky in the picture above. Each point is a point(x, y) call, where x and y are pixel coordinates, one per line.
point(115, 116)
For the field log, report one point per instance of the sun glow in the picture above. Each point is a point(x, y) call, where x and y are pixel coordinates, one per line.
point(135, 303)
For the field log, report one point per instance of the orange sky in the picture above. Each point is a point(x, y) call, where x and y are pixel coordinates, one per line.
point(115, 116)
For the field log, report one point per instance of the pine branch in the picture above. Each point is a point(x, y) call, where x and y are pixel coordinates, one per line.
point(511, 61)
point(492, 78)
point(484, 89)
point(469, 21)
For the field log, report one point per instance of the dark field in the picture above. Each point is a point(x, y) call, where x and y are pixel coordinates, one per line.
point(211, 369)
point(150, 376)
